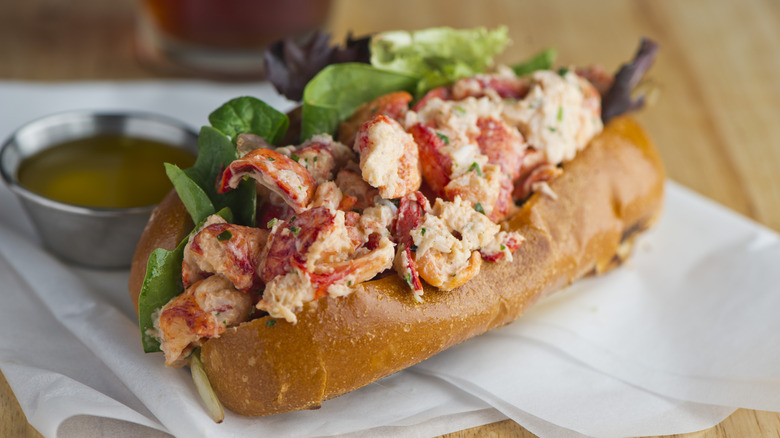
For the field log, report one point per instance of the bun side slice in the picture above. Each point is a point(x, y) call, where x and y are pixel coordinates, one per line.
point(609, 192)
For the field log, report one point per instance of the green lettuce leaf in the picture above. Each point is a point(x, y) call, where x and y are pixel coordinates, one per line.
point(336, 91)
point(249, 114)
point(161, 284)
point(438, 56)
point(543, 60)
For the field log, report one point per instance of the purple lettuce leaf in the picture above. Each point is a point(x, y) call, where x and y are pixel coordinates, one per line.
point(618, 99)
point(291, 63)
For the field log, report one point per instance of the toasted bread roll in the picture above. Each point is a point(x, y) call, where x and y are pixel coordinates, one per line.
point(610, 191)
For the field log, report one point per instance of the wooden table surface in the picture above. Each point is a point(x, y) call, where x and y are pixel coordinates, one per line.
point(716, 122)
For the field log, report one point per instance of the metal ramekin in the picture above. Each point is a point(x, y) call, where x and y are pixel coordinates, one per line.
point(94, 237)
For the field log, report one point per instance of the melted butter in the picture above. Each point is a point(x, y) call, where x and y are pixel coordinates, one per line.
point(107, 171)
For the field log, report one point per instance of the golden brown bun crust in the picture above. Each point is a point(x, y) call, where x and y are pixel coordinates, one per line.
point(167, 226)
point(613, 188)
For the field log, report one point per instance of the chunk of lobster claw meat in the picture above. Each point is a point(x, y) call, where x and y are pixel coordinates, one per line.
point(229, 250)
point(313, 255)
point(448, 241)
point(502, 144)
point(436, 166)
point(204, 310)
point(389, 158)
point(394, 105)
point(280, 174)
point(487, 189)
point(445, 271)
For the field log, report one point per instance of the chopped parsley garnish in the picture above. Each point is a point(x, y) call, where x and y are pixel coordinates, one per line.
point(270, 323)
point(443, 137)
point(225, 235)
point(349, 283)
point(295, 157)
point(295, 230)
point(563, 71)
point(475, 166)
point(552, 128)
point(560, 113)
point(460, 110)
point(315, 158)
point(408, 279)
point(503, 247)
point(292, 219)
point(272, 223)
point(422, 231)
point(479, 208)
point(271, 159)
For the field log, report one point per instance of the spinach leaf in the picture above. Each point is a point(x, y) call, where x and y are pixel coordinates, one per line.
point(543, 60)
point(242, 201)
point(318, 119)
point(196, 186)
point(161, 283)
point(249, 114)
point(195, 200)
point(336, 91)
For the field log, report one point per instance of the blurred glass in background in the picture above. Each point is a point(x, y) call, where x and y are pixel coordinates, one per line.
point(220, 39)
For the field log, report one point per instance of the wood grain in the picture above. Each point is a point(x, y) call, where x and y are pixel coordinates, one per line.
point(715, 122)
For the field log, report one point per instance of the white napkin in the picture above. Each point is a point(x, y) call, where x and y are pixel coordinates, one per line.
point(672, 342)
